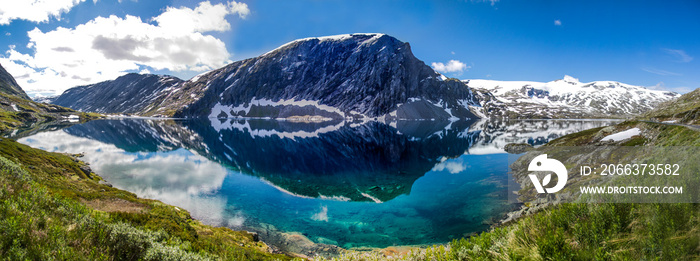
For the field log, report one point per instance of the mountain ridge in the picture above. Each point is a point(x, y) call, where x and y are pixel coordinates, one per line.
point(685, 109)
point(344, 76)
point(356, 76)
point(118, 95)
point(17, 110)
point(9, 85)
point(565, 98)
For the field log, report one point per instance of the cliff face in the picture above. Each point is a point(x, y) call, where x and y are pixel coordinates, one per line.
point(359, 75)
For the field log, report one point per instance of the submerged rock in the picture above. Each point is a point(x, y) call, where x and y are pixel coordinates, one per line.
point(517, 148)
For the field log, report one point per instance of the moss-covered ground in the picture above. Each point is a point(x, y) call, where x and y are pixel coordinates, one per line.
point(53, 209)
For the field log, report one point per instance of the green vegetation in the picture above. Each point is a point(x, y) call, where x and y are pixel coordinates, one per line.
point(655, 134)
point(16, 112)
point(54, 208)
point(577, 232)
point(685, 109)
point(8, 85)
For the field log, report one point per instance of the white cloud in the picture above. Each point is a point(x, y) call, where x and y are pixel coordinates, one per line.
point(557, 22)
point(452, 66)
point(107, 47)
point(206, 17)
point(659, 71)
point(493, 2)
point(178, 178)
point(678, 55)
point(661, 86)
point(35, 11)
point(321, 215)
point(452, 167)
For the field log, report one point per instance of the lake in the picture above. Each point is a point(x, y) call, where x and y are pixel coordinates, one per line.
point(350, 184)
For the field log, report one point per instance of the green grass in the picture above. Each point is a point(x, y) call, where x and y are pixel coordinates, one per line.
point(576, 139)
point(685, 109)
point(592, 231)
point(44, 200)
point(578, 232)
point(33, 112)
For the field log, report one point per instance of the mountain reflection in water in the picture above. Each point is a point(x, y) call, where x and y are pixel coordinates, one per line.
point(352, 184)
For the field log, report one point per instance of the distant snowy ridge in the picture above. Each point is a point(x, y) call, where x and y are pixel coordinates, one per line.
point(565, 98)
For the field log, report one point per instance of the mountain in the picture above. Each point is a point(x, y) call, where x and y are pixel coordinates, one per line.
point(45, 99)
point(18, 111)
point(131, 93)
point(356, 75)
point(685, 109)
point(9, 86)
point(565, 98)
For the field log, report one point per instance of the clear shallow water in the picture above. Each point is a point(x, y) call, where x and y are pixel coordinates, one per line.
point(349, 184)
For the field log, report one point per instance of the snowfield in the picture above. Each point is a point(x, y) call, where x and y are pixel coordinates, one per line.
point(623, 135)
point(567, 98)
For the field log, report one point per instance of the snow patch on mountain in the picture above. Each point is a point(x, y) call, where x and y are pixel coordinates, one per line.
point(623, 135)
point(231, 124)
point(331, 38)
point(244, 109)
point(565, 98)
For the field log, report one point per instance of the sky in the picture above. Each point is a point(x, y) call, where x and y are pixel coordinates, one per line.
point(52, 45)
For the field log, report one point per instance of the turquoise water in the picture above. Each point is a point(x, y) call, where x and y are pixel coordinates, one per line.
point(365, 184)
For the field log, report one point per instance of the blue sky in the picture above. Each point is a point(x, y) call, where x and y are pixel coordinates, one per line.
point(653, 44)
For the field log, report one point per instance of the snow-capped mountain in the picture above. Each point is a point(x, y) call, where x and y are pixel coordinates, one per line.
point(45, 99)
point(333, 77)
point(355, 75)
point(565, 98)
point(130, 93)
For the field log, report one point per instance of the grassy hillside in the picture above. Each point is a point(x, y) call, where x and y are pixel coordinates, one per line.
point(685, 109)
point(9, 86)
point(53, 207)
point(16, 113)
point(17, 110)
